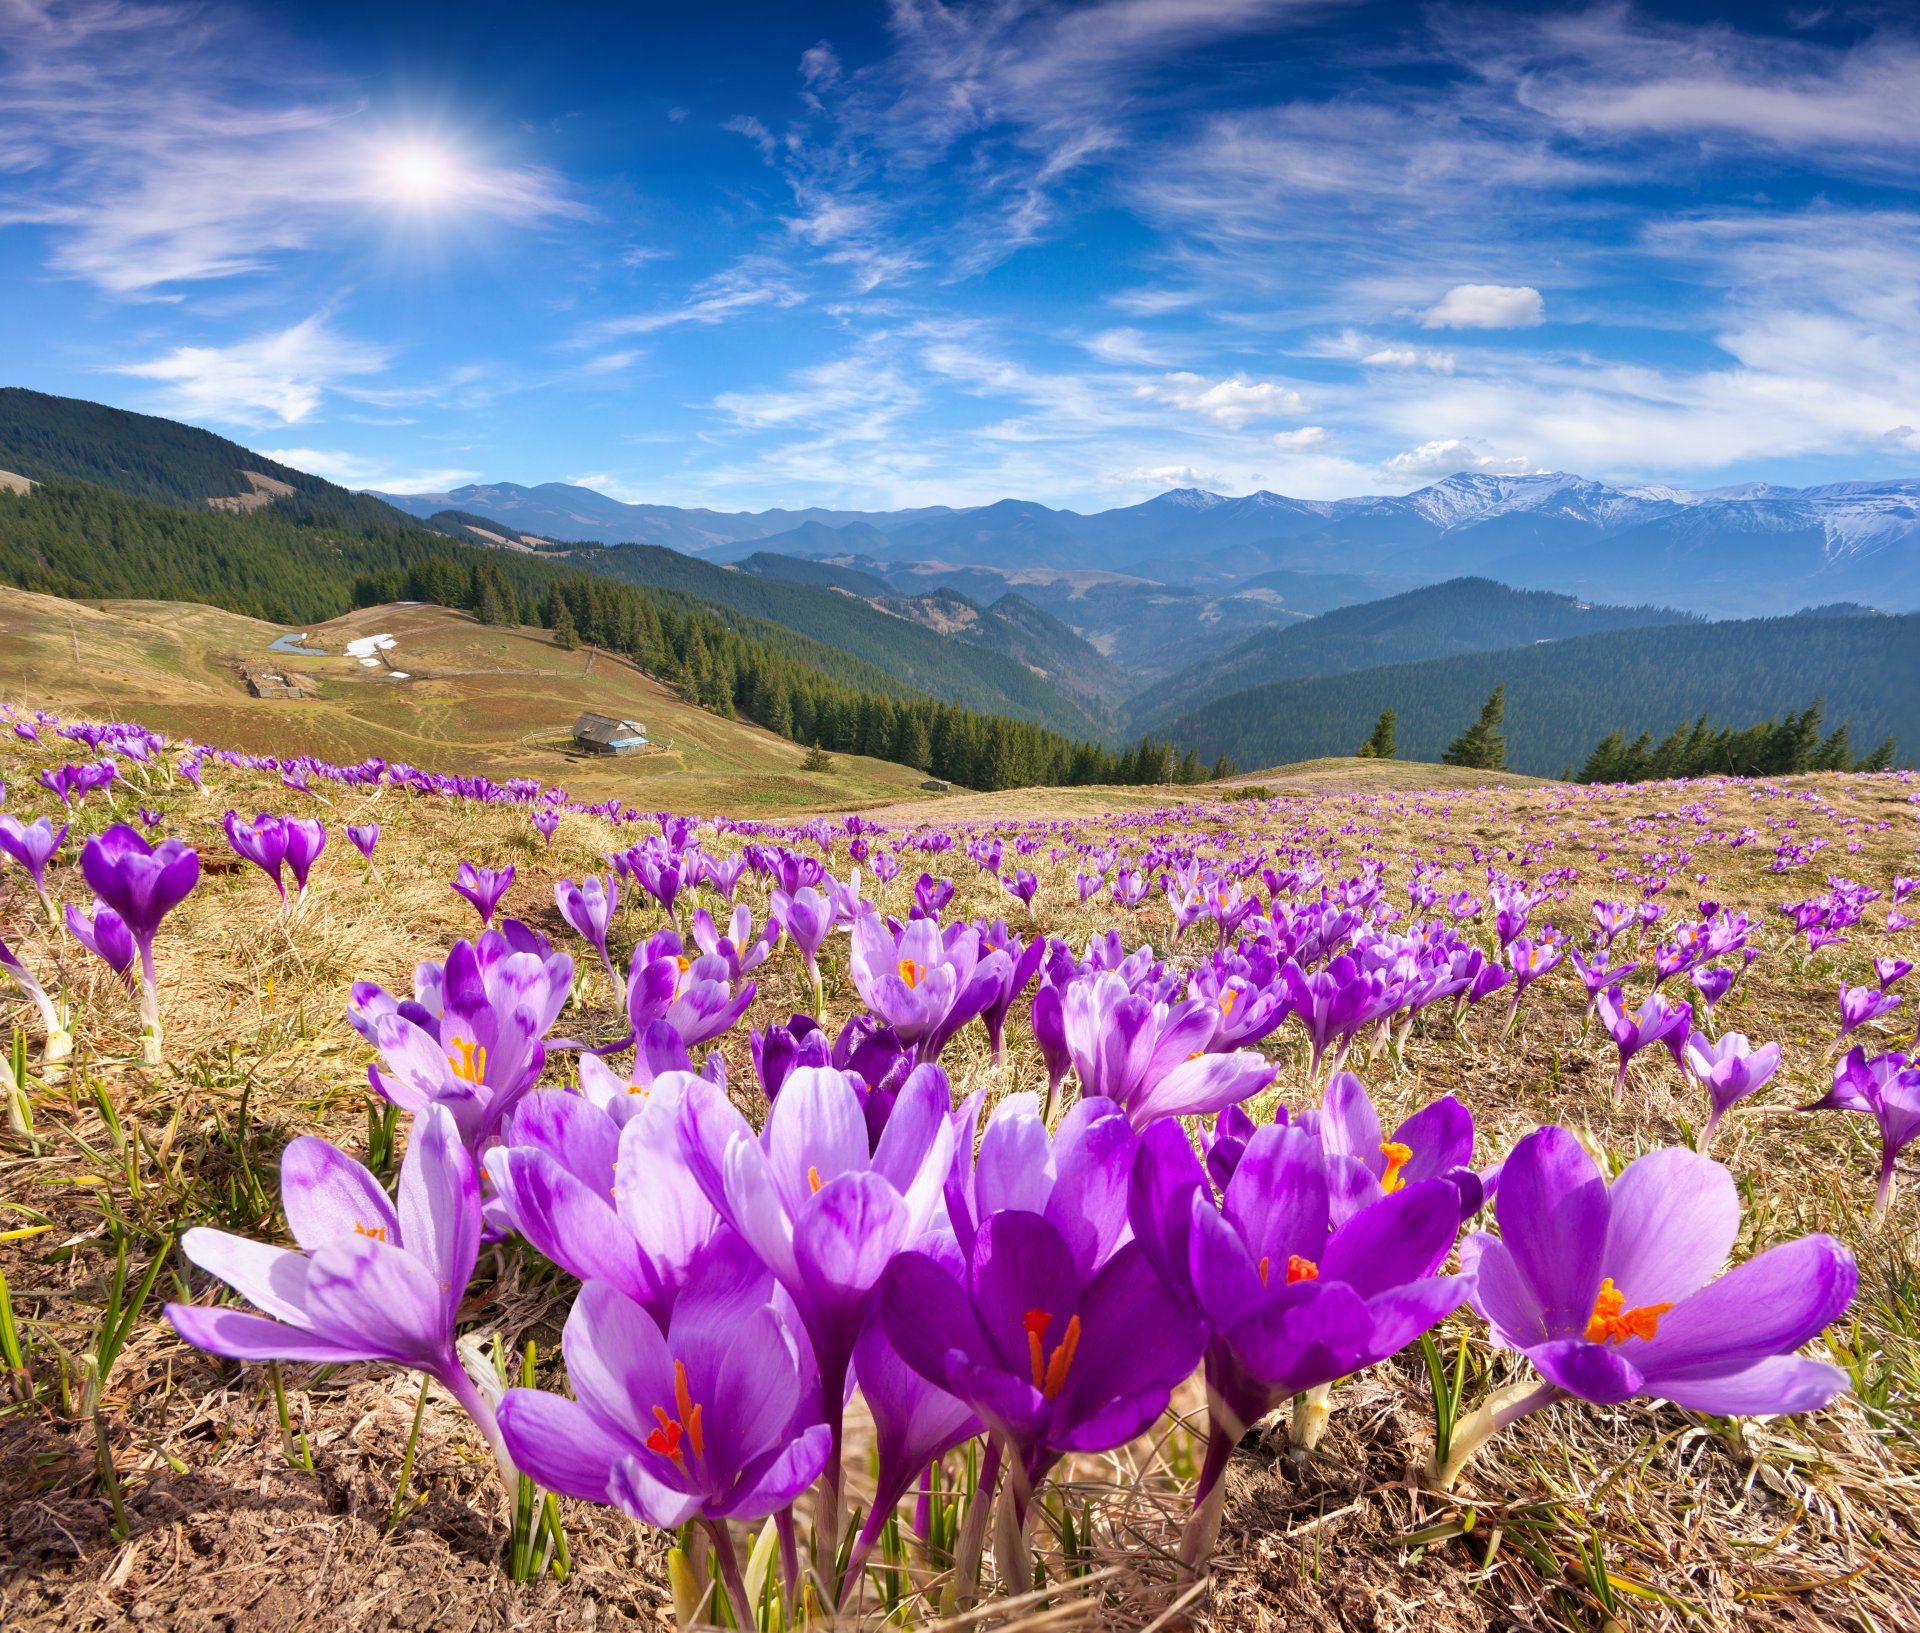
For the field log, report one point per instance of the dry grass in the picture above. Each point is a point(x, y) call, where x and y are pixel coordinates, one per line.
point(1643, 1516)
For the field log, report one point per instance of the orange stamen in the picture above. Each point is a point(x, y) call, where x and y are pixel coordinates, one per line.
point(813, 1180)
point(911, 973)
point(1036, 1323)
point(1398, 1156)
point(1299, 1269)
point(1061, 1361)
point(1226, 1001)
point(1264, 1262)
point(376, 1233)
point(470, 1065)
point(1614, 1323)
point(665, 1440)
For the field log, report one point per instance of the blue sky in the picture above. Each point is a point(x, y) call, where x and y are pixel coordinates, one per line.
point(883, 255)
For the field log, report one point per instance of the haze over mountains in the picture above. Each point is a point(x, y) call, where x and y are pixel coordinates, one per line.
point(1754, 550)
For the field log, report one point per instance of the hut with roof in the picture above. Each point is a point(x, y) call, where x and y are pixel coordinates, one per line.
point(598, 734)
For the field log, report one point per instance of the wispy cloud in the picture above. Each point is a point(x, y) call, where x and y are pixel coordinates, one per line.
point(357, 471)
point(279, 377)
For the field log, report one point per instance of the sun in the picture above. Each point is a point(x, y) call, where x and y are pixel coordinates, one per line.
point(420, 174)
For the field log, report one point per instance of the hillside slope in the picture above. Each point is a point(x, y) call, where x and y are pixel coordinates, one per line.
point(493, 702)
point(1563, 696)
point(1462, 615)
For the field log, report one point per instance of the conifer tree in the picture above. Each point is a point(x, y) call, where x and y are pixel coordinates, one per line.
point(1481, 746)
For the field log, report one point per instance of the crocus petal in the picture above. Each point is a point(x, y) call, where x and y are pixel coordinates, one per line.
point(1553, 1211)
point(1781, 1383)
point(1770, 1305)
point(561, 1218)
point(1594, 1372)
point(1673, 1218)
point(560, 1444)
point(1399, 1239)
point(776, 1485)
point(244, 1337)
point(440, 1199)
point(325, 1194)
point(358, 1288)
point(274, 1278)
point(617, 1360)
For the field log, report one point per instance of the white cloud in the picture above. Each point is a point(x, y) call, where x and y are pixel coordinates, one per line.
point(1406, 357)
point(754, 281)
point(1486, 306)
point(1127, 346)
point(1305, 440)
point(1443, 458)
point(281, 376)
point(357, 471)
point(1231, 402)
point(1162, 477)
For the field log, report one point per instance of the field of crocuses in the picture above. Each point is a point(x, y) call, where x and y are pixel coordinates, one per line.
point(435, 1202)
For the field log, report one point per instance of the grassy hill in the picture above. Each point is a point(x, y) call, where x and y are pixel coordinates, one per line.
point(1442, 620)
point(1563, 696)
point(496, 702)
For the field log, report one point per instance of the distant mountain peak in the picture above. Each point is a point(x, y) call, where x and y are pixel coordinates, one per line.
point(1192, 498)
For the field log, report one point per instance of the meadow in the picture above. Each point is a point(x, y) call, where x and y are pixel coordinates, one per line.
point(1180, 987)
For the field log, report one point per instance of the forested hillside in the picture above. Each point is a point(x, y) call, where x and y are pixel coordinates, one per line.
point(1564, 696)
point(903, 648)
point(78, 540)
point(1442, 620)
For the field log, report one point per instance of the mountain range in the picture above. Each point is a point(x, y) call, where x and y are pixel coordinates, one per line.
point(1753, 550)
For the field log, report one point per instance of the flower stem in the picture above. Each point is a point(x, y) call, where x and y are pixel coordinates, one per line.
point(474, 1404)
point(1210, 1494)
point(730, 1572)
point(1310, 1413)
point(1497, 1412)
point(973, 1530)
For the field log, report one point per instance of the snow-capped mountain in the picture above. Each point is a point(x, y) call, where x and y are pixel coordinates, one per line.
point(1753, 548)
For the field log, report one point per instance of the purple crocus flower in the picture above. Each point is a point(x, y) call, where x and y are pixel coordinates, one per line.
point(364, 837)
point(32, 845)
point(694, 996)
point(925, 983)
point(1023, 963)
point(1363, 1166)
point(823, 1210)
point(105, 937)
point(547, 820)
point(1050, 1033)
point(1887, 1087)
point(370, 1281)
point(1609, 1290)
point(1290, 1305)
point(1053, 1361)
point(141, 884)
point(1150, 1058)
point(471, 1040)
point(739, 947)
point(1859, 1005)
point(589, 909)
point(807, 917)
point(1654, 1020)
point(713, 1418)
point(1022, 886)
point(263, 843)
point(1886, 970)
point(306, 839)
point(483, 887)
point(930, 895)
point(1712, 983)
point(1730, 1070)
